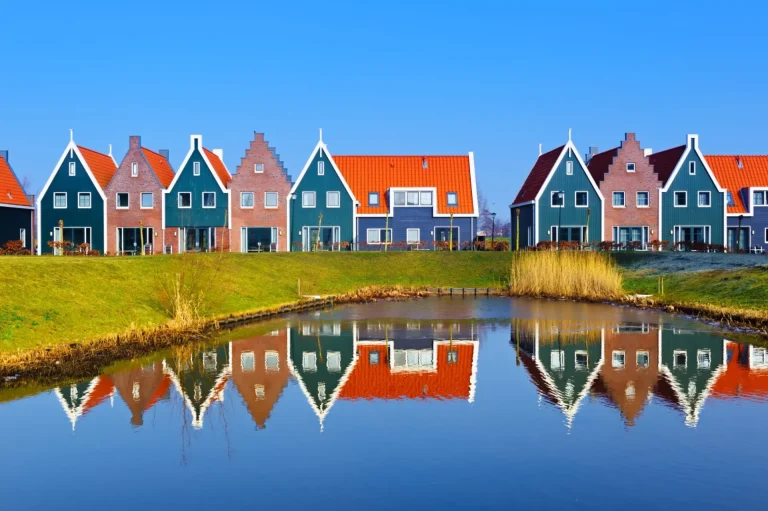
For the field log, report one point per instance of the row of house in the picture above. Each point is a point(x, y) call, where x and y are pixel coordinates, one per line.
point(632, 195)
point(142, 205)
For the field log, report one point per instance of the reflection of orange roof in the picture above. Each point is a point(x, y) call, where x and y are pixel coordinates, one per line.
point(10, 189)
point(753, 172)
point(739, 379)
point(160, 167)
point(377, 381)
point(102, 166)
point(218, 167)
point(101, 391)
point(159, 392)
point(366, 174)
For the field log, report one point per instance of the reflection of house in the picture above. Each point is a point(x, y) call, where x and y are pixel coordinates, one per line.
point(562, 364)
point(141, 388)
point(77, 399)
point(201, 379)
point(746, 372)
point(690, 363)
point(260, 372)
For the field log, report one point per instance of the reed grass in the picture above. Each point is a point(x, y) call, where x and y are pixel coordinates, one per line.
point(565, 274)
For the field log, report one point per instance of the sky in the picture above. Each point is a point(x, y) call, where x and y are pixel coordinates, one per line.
point(423, 78)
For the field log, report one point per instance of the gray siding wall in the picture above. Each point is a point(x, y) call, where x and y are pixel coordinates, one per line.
point(416, 218)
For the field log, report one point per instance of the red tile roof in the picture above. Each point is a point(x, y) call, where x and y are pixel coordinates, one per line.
point(739, 380)
point(366, 174)
point(664, 162)
point(218, 167)
point(538, 175)
point(753, 173)
point(160, 167)
point(598, 165)
point(11, 191)
point(102, 166)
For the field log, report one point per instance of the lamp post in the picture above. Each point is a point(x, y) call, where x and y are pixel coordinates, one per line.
point(493, 231)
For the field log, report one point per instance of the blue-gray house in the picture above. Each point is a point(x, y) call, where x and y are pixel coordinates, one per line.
point(16, 210)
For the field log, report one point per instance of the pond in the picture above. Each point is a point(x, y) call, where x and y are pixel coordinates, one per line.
point(442, 402)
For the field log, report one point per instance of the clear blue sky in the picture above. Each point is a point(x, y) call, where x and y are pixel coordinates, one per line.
point(381, 78)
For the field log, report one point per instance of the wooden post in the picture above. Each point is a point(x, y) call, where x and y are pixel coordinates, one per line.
point(517, 229)
point(141, 236)
point(386, 230)
point(450, 237)
point(589, 213)
point(319, 232)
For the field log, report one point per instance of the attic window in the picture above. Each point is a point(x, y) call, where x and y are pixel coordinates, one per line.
point(321, 168)
point(569, 168)
point(692, 168)
point(424, 163)
point(134, 169)
point(373, 198)
point(196, 168)
point(258, 168)
point(71, 168)
point(453, 199)
point(630, 167)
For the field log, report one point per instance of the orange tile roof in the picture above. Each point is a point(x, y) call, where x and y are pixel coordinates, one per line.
point(102, 166)
point(218, 167)
point(366, 174)
point(740, 380)
point(160, 166)
point(100, 392)
point(11, 191)
point(753, 172)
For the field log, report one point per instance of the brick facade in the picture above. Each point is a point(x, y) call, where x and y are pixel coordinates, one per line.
point(145, 181)
point(273, 179)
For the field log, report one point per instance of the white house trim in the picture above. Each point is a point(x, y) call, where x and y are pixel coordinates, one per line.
point(751, 208)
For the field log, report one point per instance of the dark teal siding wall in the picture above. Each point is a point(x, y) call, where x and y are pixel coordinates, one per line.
point(330, 181)
point(692, 214)
point(72, 216)
point(12, 220)
point(526, 222)
point(187, 182)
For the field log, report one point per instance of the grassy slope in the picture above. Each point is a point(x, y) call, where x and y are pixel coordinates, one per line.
point(47, 300)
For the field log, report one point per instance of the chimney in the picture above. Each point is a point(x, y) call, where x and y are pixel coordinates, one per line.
point(134, 142)
point(4, 155)
point(647, 152)
point(165, 153)
point(629, 137)
point(219, 153)
point(592, 152)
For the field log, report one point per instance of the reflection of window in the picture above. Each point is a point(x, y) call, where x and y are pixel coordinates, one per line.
point(679, 358)
point(122, 200)
point(272, 360)
point(196, 168)
point(309, 361)
point(373, 358)
point(630, 167)
point(399, 198)
point(399, 358)
point(453, 356)
point(147, 200)
point(248, 361)
point(681, 199)
point(72, 168)
point(246, 199)
point(334, 361)
point(259, 391)
point(321, 391)
point(582, 199)
point(185, 200)
point(557, 199)
point(759, 357)
point(643, 199)
point(642, 359)
point(618, 199)
point(703, 359)
point(557, 359)
point(581, 359)
point(84, 200)
point(569, 168)
point(209, 361)
point(426, 198)
point(617, 360)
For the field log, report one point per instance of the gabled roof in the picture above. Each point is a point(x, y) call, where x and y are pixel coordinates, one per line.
point(664, 162)
point(753, 173)
point(102, 166)
point(598, 165)
point(218, 166)
point(11, 191)
point(538, 175)
point(160, 166)
point(380, 173)
point(78, 399)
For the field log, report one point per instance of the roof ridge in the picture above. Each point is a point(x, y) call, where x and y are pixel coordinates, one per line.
point(401, 156)
point(92, 150)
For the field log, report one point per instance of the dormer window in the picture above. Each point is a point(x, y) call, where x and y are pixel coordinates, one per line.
point(72, 168)
point(373, 198)
point(692, 168)
point(453, 199)
point(424, 163)
point(758, 198)
point(630, 167)
point(569, 168)
point(134, 169)
point(258, 168)
point(321, 168)
point(196, 168)
point(729, 199)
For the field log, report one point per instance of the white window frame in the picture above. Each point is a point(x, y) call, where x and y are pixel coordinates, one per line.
point(408, 194)
point(277, 200)
point(558, 355)
point(378, 236)
point(134, 169)
point(691, 168)
point(647, 354)
point(117, 200)
point(373, 194)
point(576, 197)
point(637, 199)
point(632, 169)
point(321, 168)
point(698, 198)
point(214, 200)
point(765, 239)
point(623, 354)
point(552, 195)
point(258, 168)
point(72, 168)
point(333, 355)
point(569, 168)
point(271, 353)
point(675, 353)
point(309, 361)
point(304, 195)
point(196, 168)
point(699, 353)
point(424, 203)
point(576, 364)
point(253, 200)
point(674, 198)
point(418, 235)
point(54, 200)
point(178, 200)
point(141, 200)
point(252, 356)
point(83, 194)
point(395, 201)
point(729, 199)
point(448, 199)
point(765, 199)
point(623, 199)
point(23, 237)
point(328, 201)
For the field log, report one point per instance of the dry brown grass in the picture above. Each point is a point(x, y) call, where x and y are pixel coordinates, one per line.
point(565, 274)
point(564, 332)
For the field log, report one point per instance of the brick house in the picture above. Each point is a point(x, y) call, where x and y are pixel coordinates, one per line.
point(630, 186)
point(259, 189)
point(134, 201)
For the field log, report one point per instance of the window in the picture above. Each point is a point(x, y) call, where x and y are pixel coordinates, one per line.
point(333, 199)
point(630, 167)
point(581, 360)
point(209, 200)
point(642, 359)
point(618, 199)
point(569, 168)
point(373, 358)
point(308, 199)
point(557, 199)
point(705, 199)
point(557, 360)
point(246, 200)
point(759, 358)
point(703, 359)
point(122, 200)
point(453, 356)
point(196, 168)
point(765, 240)
point(681, 199)
point(758, 198)
point(729, 199)
point(60, 200)
point(309, 361)
point(582, 199)
point(23, 237)
point(258, 168)
point(679, 358)
point(453, 199)
point(692, 168)
point(412, 198)
point(334, 361)
point(412, 236)
point(373, 198)
point(72, 168)
point(399, 198)
point(248, 361)
point(272, 361)
point(147, 200)
point(259, 391)
point(321, 391)
point(426, 198)
point(321, 168)
point(378, 236)
point(84, 200)
point(617, 360)
point(185, 200)
point(643, 199)
point(270, 200)
point(134, 169)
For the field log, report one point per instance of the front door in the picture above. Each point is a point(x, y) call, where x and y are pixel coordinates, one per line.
point(199, 239)
point(743, 240)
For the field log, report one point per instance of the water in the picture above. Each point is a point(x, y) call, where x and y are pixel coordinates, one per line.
point(414, 405)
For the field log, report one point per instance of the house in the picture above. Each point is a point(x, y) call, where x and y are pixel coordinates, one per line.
point(692, 205)
point(259, 191)
point(321, 207)
point(746, 374)
point(197, 205)
point(260, 372)
point(80, 398)
point(413, 201)
point(16, 210)
point(559, 201)
point(141, 387)
point(135, 201)
point(629, 185)
point(72, 207)
point(746, 180)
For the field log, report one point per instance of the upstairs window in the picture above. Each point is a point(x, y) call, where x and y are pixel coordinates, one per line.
point(333, 199)
point(758, 198)
point(705, 199)
point(60, 200)
point(209, 200)
point(729, 199)
point(426, 198)
point(692, 168)
point(373, 198)
point(453, 199)
point(569, 168)
point(246, 200)
point(308, 199)
point(147, 200)
point(72, 168)
point(582, 199)
point(84, 200)
point(122, 200)
point(642, 359)
point(134, 169)
point(185, 200)
point(399, 198)
point(618, 359)
point(270, 200)
point(630, 167)
point(643, 199)
point(681, 199)
point(258, 168)
point(321, 168)
point(557, 199)
point(412, 198)
point(618, 200)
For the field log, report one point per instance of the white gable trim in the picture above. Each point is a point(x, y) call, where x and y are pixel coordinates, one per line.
point(177, 175)
point(321, 146)
point(751, 209)
point(473, 180)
